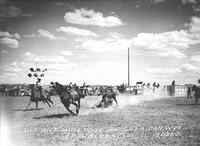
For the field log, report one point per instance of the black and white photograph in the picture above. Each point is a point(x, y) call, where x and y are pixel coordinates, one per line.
point(100, 72)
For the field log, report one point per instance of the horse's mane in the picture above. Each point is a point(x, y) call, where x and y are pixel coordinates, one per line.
point(60, 88)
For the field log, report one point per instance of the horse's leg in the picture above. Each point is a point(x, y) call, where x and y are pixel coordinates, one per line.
point(49, 99)
point(77, 107)
point(67, 107)
point(47, 103)
point(99, 105)
point(36, 104)
point(114, 97)
point(28, 105)
point(43, 98)
point(102, 100)
point(79, 103)
point(196, 100)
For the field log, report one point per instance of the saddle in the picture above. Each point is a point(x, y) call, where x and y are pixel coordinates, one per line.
point(36, 93)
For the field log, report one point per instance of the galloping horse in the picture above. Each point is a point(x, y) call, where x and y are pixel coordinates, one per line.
point(37, 96)
point(196, 94)
point(68, 96)
point(107, 99)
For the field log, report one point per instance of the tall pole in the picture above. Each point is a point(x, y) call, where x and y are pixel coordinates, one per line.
point(128, 68)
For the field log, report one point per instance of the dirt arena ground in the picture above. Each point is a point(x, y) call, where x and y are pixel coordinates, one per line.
point(138, 120)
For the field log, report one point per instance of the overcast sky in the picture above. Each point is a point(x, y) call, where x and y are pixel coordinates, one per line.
point(87, 40)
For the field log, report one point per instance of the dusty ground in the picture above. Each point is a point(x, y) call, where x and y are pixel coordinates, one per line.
point(137, 120)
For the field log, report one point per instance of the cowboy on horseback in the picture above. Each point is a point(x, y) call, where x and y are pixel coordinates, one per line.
point(68, 97)
point(37, 93)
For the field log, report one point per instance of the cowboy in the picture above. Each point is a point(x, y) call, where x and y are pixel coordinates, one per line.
point(83, 89)
point(39, 86)
point(70, 85)
point(189, 92)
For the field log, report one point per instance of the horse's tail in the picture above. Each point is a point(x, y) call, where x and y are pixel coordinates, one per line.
point(114, 95)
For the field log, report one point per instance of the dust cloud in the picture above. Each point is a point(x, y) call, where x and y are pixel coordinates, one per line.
point(125, 100)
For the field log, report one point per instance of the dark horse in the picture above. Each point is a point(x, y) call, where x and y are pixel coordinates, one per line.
point(37, 95)
point(196, 94)
point(68, 96)
point(107, 99)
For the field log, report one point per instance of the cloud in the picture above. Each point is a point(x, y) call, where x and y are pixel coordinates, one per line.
point(4, 51)
point(44, 34)
point(27, 15)
point(162, 71)
point(9, 42)
point(183, 68)
point(163, 44)
point(115, 42)
point(194, 25)
point(9, 35)
point(5, 34)
point(43, 58)
point(83, 55)
point(59, 3)
point(184, 2)
point(15, 72)
point(63, 70)
point(90, 17)
point(30, 35)
point(10, 71)
point(47, 34)
point(16, 35)
point(137, 6)
point(76, 31)
point(170, 44)
point(116, 35)
point(104, 72)
point(158, 1)
point(172, 53)
point(65, 4)
point(106, 45)
point(2, 1)
point(66, 53)
point(195, 58)
point(189, 67)
point(12, 12)
point(28, 55)
point(58, 67)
